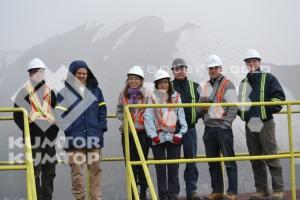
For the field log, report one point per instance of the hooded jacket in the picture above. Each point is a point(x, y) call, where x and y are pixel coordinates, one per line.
point(82, 114)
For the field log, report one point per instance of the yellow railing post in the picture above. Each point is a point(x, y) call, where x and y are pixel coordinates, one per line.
point(28, 157)
point(141, 155)
point(292, 153)
point(128, 123)
point(127, 154)
point(88, 186)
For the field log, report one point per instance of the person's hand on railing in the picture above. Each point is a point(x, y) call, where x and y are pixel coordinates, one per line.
point(156, 140)
point(177, 138)
point(205, 100)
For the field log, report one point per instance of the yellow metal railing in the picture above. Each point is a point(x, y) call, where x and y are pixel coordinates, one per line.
point(128, 125)
point(28, 165)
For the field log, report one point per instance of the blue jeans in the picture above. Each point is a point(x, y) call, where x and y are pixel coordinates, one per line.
point(189, 142)
point(218, 140)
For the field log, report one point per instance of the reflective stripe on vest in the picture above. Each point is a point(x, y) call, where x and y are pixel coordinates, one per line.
point(166, 121)
point(137, 115)
point(262, 95)
point(193, 109)
point(244, 93)
point(193, 100)
point(218, 110)
point(39, 111)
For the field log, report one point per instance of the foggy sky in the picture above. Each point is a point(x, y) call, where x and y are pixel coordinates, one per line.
point(269, 26)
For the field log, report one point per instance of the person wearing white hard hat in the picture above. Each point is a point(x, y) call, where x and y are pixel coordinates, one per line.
point(218, 135)
point(188, 91)
point(259, 86)
point(135, 93)
point(166, 127)
point(39, 100)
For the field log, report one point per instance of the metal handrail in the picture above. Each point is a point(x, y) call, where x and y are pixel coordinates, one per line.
point(128, 123)
point(28, 167)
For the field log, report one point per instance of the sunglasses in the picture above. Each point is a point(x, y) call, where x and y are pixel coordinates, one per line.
point(213, 68)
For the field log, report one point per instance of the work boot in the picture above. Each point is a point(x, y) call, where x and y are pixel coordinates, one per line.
point(193, 196)
point(214, 196)
point(231, 196)
point(277, 196)
point(259, 196)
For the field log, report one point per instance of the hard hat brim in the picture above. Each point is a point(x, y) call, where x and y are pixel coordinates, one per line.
point(162, 78)
point(245, 60)
point(135, 75)
point(179, 66)
point(29, 69)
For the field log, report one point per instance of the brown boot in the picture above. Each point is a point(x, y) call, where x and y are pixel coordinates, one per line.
point(259, 196)
point(193, 196)
point(277, 196)
point(214, 196)
point(231, 196)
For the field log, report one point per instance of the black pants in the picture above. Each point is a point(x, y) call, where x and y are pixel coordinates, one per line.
point(44, 171)
point(138, 171)
point(167, 182)
point(218, 140)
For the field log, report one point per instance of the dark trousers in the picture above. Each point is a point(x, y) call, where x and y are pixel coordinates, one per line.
point(264, 143)
point(138, 171)
point(189, 142)
point(167, 182)
point(44, 171)
point(218, 140)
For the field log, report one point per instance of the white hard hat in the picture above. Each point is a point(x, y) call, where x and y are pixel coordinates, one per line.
point(213, 61)
point(160, 74)
point(251, 53)
point(36, 63)
point(136, 70)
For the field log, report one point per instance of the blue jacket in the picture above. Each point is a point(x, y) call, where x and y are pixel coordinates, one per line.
point(82, 114)
point(260, 86)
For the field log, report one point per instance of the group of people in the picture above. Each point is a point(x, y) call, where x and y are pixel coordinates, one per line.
point(80, 111)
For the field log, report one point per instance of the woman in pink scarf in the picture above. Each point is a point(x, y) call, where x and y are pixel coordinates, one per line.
point(135, 93)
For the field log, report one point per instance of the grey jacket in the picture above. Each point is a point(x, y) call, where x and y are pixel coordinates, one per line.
point(219, 91)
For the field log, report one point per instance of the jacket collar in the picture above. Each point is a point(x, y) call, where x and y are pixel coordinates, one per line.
point(213, 81)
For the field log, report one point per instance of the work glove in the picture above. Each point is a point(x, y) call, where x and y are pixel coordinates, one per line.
point(177, 138)
point(156, 140)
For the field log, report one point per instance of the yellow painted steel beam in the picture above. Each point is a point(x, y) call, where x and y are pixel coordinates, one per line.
point(292, 159)
point(127, 157)
point(186, 105)
point(28, 156)
point(120, 158)
point(219, 159)
point(6, 118)
point(140, 153)
point(12, 167)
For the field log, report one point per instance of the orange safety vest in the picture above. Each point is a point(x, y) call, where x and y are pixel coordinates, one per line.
point(218, 111)
point(38, 110)
point(166, 121)
point(137, 115)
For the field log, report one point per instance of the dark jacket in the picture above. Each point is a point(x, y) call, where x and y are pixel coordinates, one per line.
point(22, 100)
point(260, 86)
point(82, 117)
point(189, 94)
